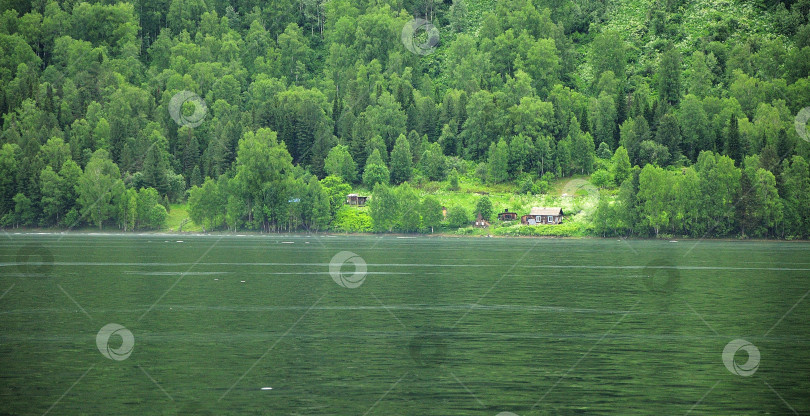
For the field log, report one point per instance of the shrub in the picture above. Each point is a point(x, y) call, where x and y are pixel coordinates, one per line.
point(352, 220)
point(560, 230)
point(71, 218)
point(540, 187)
point(457, 216)
point(602, 179)
point(526, 186)
point(453, 180)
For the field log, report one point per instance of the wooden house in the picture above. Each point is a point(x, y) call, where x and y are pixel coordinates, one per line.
point(539, 216)
point(507, 216)
point(354, 199)
point(480, 222)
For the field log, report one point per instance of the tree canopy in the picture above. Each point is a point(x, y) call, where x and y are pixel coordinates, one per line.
point(111, 108)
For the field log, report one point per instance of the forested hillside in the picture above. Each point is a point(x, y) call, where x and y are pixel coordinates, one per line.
point(689, 116)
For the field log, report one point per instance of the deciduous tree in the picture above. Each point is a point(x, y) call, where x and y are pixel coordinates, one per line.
point(340, 163)
point(98, 188)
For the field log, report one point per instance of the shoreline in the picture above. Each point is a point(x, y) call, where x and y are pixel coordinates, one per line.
point(92, 233)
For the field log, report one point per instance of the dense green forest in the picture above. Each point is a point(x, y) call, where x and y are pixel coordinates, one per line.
point(263, 115)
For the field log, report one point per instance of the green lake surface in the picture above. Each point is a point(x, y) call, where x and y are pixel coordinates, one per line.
point(260, 325)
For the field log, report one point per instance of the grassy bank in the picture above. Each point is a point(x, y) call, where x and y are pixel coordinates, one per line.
point(575, 195)
point(178, 220)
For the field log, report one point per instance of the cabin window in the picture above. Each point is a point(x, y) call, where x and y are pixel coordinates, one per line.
point(550, 219)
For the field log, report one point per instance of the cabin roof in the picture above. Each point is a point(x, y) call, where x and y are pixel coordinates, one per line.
point(546, 211)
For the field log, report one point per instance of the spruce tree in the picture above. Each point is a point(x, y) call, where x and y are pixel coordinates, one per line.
point(196, 177)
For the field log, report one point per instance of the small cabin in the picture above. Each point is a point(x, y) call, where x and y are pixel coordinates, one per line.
point(480, 222)
point(355, 199)
point(507, 216)
point(540, 215)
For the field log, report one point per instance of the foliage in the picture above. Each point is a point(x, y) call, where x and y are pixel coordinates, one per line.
point(696, 97)
point(408, 209)
point(498, 162)
point(375, 174)
point(384, 208)
point(98, 186)
point(602, 179)
point(452, 179)
point(484, 207)
point(351, 220)
point(620, 165)
point(401, 161)
point(431, 211)
point(263, 170)
point(561, 230)
point(206, 205)
point(527, 186)
point(340, 163)
point(336, 191)
point(457, 216)
point(150, 214)
point(375, 171)
point(433, 163)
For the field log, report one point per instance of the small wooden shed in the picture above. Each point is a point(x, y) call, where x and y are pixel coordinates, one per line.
point(507, 216)
point(539, 215)
point(355, 199)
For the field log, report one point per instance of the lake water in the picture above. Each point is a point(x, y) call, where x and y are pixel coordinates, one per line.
point(260, 325)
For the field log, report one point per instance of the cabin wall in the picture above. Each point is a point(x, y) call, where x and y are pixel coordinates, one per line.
point(543, 220)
